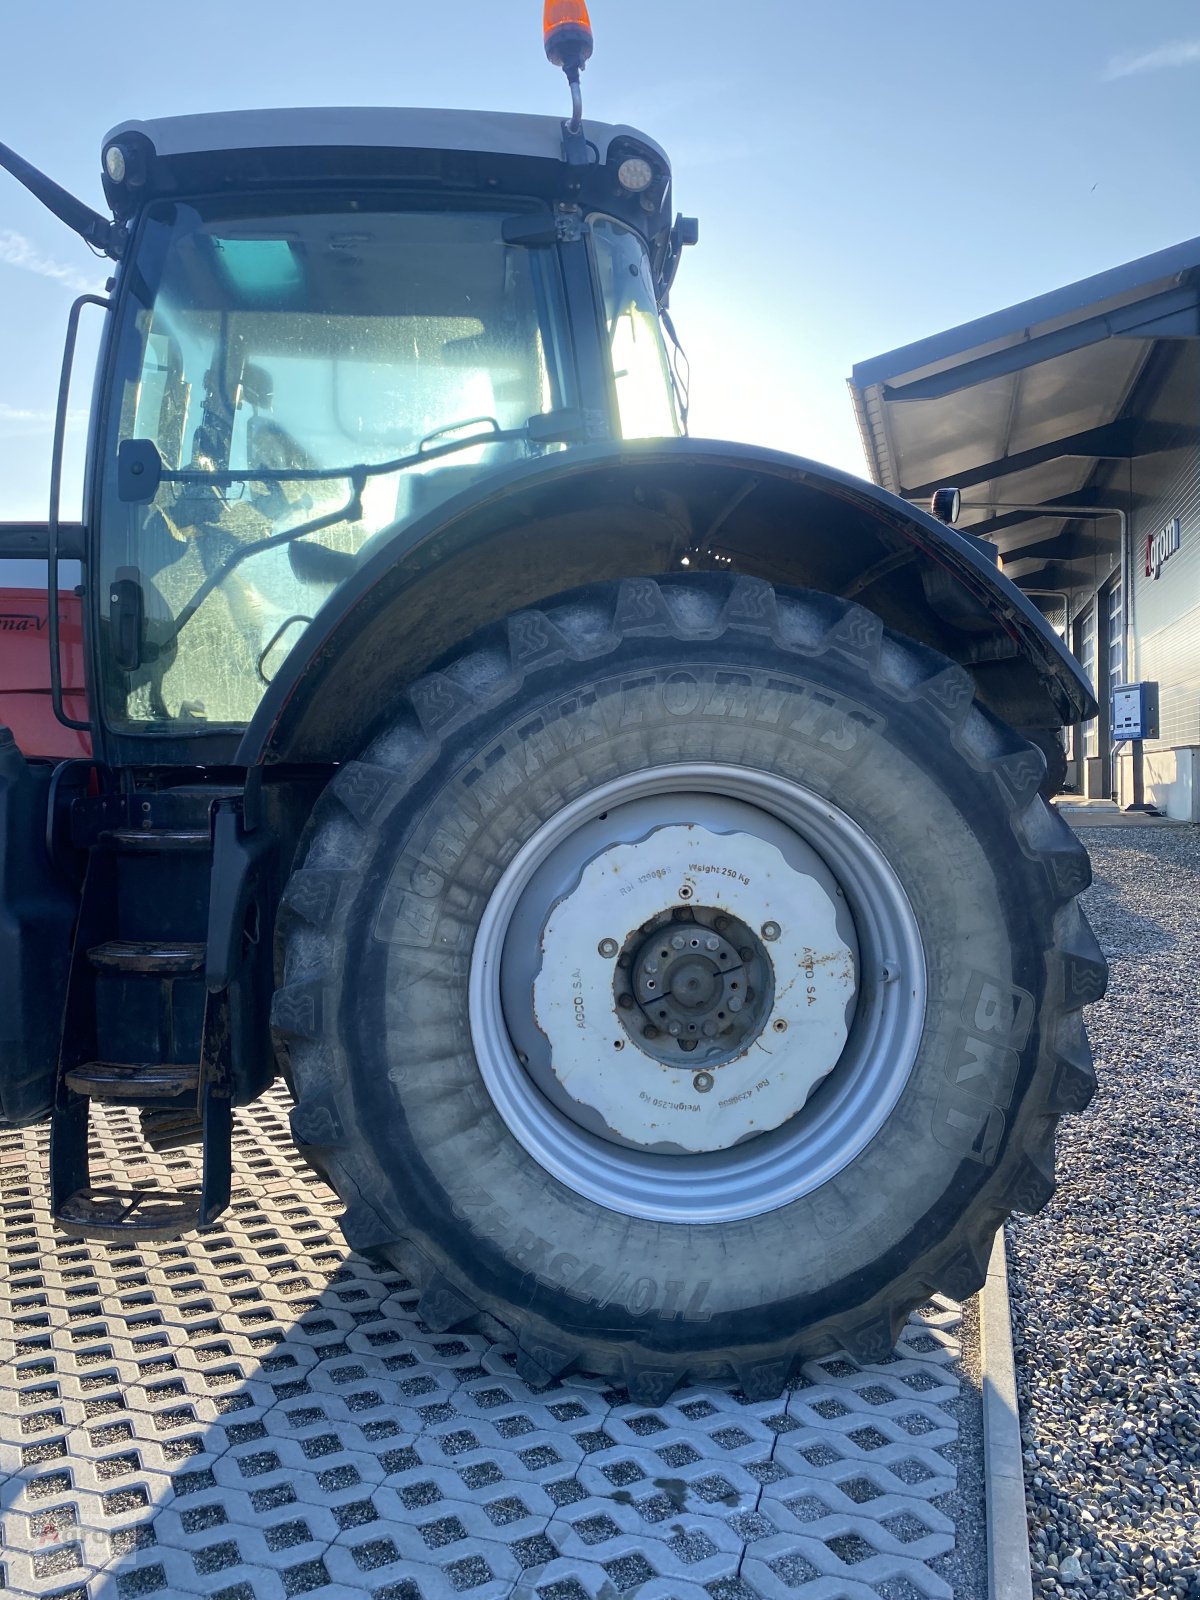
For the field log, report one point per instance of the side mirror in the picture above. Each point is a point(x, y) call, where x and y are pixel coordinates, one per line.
point(139, 470)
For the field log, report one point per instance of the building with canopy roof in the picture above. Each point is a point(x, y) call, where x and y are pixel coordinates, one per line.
point(1071, 425)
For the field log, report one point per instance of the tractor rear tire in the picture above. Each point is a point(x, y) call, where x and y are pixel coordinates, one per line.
point(1050, 742)
point(444, 942)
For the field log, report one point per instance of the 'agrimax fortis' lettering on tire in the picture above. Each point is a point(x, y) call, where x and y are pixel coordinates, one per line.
point(694, 980)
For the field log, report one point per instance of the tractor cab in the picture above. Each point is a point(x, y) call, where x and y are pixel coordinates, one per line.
point(326, 323)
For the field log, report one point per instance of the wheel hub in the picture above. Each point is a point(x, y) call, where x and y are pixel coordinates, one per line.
point(692, 990)
point(676, 999)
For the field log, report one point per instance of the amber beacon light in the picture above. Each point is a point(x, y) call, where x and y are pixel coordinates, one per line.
point(567, 29)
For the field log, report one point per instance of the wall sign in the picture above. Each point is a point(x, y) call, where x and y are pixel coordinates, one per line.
point(1161, 546)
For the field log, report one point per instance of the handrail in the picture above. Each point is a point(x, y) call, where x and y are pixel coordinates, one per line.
point(52, 525)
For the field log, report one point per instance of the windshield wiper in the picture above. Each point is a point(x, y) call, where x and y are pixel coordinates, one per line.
point(556, 427)
point(140, 468)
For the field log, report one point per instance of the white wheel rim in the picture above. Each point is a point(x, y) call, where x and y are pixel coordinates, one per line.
point(829, 889)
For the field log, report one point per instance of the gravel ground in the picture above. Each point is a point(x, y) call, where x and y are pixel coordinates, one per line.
point(1105, 1283)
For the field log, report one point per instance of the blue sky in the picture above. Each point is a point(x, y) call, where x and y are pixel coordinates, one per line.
point(865, 173)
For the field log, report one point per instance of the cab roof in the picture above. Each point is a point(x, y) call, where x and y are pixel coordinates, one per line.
point(373, 127)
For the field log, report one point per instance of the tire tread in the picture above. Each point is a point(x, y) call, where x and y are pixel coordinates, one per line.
point(581, 629)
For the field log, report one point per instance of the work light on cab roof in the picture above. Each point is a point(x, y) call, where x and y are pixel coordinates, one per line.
point(567, 30)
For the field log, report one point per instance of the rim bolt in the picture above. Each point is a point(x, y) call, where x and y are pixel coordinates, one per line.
point(678, 941)
point(608, 948)
point(720, 923)
point(626, 1002)
point(746, 955)
point(674, 1029)
point(735, 1002)
point(712, 942)
point(650, 1033)
point(771, 930)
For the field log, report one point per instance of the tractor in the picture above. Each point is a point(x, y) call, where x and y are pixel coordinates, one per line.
point(630, 850)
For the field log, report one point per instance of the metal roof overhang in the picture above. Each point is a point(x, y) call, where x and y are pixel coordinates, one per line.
point(1020, 408)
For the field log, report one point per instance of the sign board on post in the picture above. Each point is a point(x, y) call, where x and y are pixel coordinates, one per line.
point(1135, 717)
point(1135, 711)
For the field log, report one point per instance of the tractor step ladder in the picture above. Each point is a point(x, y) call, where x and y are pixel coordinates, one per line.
point(141, 1029)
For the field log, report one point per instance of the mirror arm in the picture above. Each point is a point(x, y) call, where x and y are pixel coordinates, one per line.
point(103, 235)
point(351, 512)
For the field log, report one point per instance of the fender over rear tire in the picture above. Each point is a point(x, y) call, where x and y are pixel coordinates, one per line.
point(419, 1010)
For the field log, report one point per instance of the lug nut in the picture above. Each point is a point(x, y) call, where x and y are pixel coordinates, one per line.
point(678, 941)
point(608, 948)
point(735, 1002)
point(712, 942)
point(674, 1029)
point(770, 930)
point(649, 965)
point(710, 1030)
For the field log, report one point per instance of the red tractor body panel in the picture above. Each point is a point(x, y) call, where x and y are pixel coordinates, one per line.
point(25, 701)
